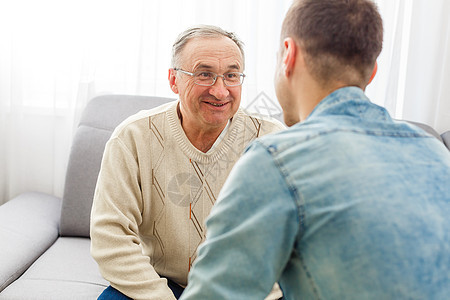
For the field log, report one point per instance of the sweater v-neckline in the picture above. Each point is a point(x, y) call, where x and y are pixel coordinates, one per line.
point(192, 152)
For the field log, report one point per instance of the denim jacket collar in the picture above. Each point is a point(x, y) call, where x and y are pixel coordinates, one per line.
point(350, 101)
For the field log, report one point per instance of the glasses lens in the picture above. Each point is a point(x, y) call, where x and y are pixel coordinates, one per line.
point(233, 78)
point(204, 78)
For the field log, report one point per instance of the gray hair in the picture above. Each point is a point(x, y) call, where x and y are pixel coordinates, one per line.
point(201, 31)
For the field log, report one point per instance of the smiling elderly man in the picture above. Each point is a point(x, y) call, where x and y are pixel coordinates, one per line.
point(163, 168)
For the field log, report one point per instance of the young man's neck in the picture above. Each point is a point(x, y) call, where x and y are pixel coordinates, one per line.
point(311, 93)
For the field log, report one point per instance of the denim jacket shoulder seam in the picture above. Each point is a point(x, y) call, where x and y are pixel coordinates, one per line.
point(295, 193)
point(321, 133)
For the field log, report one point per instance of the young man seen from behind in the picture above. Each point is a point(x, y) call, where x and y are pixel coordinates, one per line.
point(345, 204)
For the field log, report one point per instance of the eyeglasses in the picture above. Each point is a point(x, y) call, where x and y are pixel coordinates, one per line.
point(206, 78)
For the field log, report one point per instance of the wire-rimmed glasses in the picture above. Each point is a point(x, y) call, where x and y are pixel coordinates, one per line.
point(207, 78)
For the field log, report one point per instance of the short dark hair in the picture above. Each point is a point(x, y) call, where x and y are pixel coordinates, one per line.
point(341, 38)
point(201, 31)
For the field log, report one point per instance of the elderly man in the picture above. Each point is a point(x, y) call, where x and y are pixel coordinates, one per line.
point(163, 168)
point(345, 204)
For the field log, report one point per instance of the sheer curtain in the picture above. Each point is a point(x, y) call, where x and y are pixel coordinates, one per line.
point(55, 55)
point(413, 80)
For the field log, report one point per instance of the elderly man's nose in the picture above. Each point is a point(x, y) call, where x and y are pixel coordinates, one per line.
point(219, 89)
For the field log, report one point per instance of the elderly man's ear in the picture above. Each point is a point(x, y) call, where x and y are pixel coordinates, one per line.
point(172, 83)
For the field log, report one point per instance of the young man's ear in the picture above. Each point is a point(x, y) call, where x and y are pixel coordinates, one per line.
point(289, 56)
point(172, 83)
point(374, 72)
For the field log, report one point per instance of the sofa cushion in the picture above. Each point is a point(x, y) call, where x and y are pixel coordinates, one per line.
point(65, 271)
point(100, 117)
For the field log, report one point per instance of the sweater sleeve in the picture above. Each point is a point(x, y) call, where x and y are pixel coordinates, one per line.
point(250, 233)
point(115, 218)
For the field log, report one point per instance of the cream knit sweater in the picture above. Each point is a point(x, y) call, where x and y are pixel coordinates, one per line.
point(154, 191)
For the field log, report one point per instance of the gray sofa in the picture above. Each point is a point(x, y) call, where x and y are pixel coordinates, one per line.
point(45, 243)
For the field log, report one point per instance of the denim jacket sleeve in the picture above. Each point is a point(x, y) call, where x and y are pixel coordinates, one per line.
point(250, 232)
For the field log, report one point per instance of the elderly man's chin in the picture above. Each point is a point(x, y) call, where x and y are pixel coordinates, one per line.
point(217, 118)
point(217, 115)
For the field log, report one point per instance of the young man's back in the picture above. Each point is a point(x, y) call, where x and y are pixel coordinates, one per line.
point(372, 197)
point(346, 205)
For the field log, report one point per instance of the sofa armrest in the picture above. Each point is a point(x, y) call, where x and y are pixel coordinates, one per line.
point(29, 225)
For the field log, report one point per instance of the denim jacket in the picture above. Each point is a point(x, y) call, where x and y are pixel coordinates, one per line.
point(348, 204)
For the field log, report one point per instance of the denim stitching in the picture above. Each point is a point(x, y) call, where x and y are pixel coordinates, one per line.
point(308, 275)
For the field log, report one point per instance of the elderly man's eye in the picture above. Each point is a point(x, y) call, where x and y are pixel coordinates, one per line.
point(232, 75)
point(205, 75)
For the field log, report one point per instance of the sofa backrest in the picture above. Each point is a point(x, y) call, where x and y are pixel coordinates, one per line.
point(100, 117)
point(427, 129)
point(446, 138)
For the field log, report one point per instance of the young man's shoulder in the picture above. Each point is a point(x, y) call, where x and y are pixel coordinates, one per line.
point(299, 136)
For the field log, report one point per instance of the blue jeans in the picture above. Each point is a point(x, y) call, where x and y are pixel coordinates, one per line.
point(111, 293)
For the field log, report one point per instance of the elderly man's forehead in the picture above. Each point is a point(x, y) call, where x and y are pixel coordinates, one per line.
point(201, 41)
point(215, 47)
